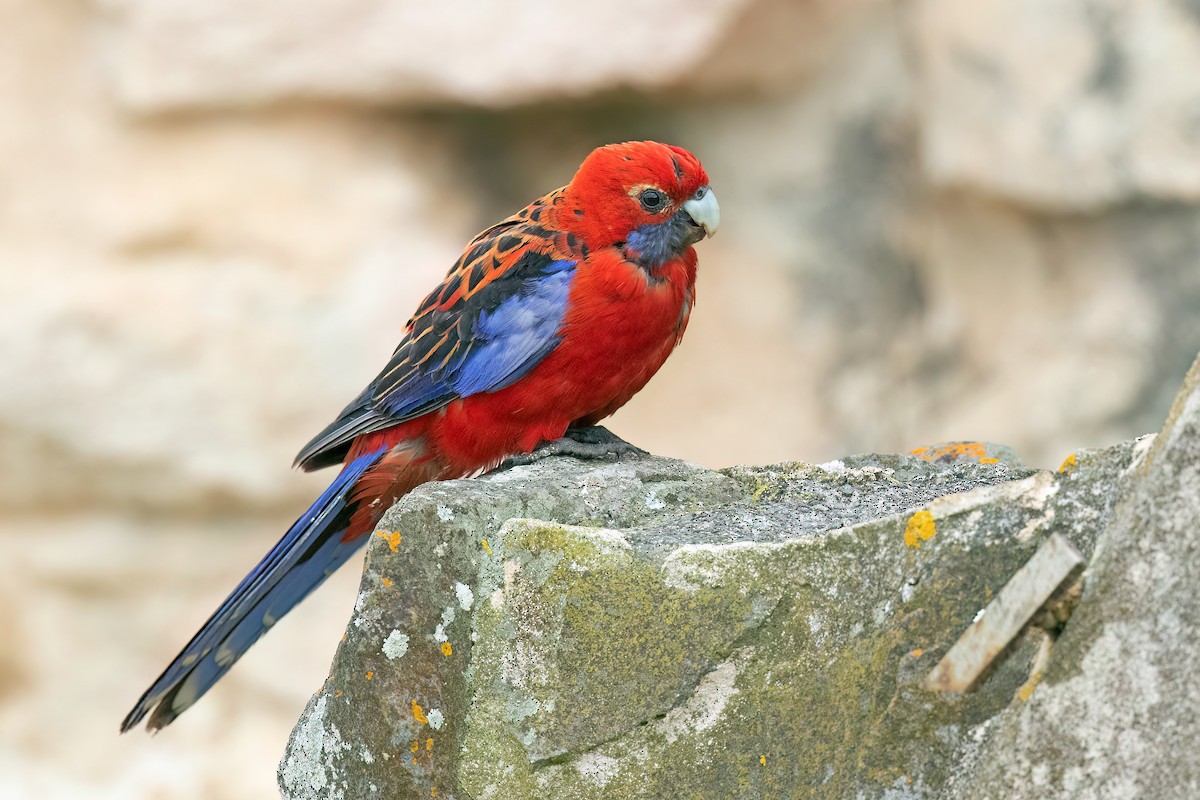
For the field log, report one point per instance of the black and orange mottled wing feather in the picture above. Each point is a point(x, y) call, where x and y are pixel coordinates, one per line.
point(494, 317)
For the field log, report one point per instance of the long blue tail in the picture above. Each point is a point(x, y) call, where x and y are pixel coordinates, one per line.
point(307, 554)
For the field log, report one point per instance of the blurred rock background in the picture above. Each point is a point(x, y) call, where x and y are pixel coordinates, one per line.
point(941, 220)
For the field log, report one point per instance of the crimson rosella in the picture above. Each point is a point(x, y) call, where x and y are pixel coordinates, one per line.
point(551, 320)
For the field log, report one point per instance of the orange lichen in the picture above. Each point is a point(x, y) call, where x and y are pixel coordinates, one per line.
point(415, 746)
point(419, 713)
point(917, 653)
point(487, 548)
point(920, 528)
point(1069, 463)
point(339, 693)
point(386, 582)
point(393, 538)
point(429, 744)
point(1026, 690)
point(976, 451)
point(447, 649)
point(370, 676)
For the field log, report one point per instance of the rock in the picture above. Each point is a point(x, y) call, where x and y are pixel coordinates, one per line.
point(653, 629)
point(172, 55)
point(1115, 713)
point(170, 291)
point(1063, 105)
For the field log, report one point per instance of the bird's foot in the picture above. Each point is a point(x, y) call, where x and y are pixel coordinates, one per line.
point(593, 443)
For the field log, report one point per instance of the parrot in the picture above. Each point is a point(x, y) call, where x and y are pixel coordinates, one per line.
point(550, 321)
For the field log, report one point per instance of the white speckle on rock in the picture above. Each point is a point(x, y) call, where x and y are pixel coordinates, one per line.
point(692, 566)
point(511, 568)
point(654, 503)
point(436, 718)
point(815, 624)
point(448, 615)
point(706, 704)
point(1141, 447)
point(366, 756)
point(466, 598)
point(597, 769)
point(358, 602)
point(444, 514)
point(395, 645)
point(308, 771)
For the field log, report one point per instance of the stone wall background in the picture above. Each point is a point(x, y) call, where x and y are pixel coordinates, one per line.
point(940, 221)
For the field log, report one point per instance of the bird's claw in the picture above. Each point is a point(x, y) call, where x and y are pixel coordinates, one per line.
point(593, 443)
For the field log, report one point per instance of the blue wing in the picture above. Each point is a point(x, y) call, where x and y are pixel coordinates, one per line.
point(474, 334)
point(308, 553)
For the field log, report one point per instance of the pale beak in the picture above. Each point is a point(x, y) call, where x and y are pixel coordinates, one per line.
point(703, 209)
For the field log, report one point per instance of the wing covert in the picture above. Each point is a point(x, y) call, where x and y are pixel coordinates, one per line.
point(495, 316)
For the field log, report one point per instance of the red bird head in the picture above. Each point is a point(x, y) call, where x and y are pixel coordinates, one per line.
point(653, 197)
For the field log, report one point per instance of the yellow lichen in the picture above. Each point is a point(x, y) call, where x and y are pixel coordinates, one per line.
point(1026, 690)
point(487, 548)
point(920, 528)
point(415, 746)
point(762, 760)
point(429, 744)
point(393, 538)
point(1069, 463)
point(419, 713)
point(989, 461)
point(447, 649)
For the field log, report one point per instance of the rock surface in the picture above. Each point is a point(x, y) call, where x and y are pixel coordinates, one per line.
point(1117, 712)
point(649, 628)
point(171, 55)
point(1106, 123)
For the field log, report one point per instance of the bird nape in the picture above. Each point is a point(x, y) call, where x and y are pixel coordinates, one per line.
point(551, 319)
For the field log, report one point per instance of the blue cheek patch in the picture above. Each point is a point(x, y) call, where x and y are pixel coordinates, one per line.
point(652, 243)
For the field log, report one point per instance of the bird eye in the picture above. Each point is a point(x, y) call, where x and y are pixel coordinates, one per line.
point(652, 200)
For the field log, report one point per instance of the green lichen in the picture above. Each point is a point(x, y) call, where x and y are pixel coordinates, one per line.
point(628, 651)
